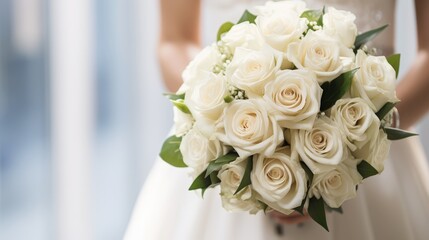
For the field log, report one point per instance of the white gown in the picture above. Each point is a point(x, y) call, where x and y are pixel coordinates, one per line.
point(394, 205)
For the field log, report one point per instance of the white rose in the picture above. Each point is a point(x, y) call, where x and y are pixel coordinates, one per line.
point(198, 150)
point(230, 176)
point(337, 185)
point(200, 66)
point(340, 24)
point(356, 120)
point(182, 122)
point(244, 35)
point(321, 148)
point(375, 152)
point(374, 81)
point(251, 70)
point(281, 29)
point(249, 129)
point(295, 97)
point(206, 98)
point(280, 7)
point(321, 54)
point(280, 181)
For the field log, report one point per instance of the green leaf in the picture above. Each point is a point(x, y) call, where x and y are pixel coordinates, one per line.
point(300, 209)
point(224, 29)
point(228, 99)
point(314, 16)
point(180, 104)
point(214, 179)
point(395, 61)
point(366, 170)
point(245, 181)
point(365, 37)
point(320, 21)
point(316, 210)
point(335, 89)
point(217, 164)
point(170, 151)
point(201, 182)
point(397, 134)
point(204, 182)
point(247, 16)
point(264, 206)
point(307, 170)
point(203, 190)
point(174, 96)
point(385, 110)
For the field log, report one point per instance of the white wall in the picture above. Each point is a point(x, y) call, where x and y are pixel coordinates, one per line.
point(72, 94)
point(156, 114)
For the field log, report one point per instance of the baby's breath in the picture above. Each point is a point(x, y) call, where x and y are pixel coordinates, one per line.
point(236, 93)
point(387, 121)
point(312, 25)
point(226, 57)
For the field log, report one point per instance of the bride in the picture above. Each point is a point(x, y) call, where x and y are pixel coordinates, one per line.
point(394, 205)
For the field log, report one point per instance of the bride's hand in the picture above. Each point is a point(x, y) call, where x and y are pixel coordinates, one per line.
point(293, 218)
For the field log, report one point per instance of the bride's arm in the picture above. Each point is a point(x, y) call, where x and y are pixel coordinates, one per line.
point(179, 38)
point(414, 89)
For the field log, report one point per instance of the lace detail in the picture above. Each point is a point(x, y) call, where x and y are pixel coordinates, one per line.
point(369, 14)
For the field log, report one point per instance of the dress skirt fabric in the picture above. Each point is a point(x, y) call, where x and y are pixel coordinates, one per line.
point(393, 205)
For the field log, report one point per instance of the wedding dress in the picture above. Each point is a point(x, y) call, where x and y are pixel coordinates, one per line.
point(393, 205)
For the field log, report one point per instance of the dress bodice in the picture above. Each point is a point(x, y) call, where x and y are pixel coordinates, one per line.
point(369, 14)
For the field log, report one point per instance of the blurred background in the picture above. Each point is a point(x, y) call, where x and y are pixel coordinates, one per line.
point(82, 117)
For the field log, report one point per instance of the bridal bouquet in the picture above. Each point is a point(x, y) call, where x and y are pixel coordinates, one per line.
point(286, 111)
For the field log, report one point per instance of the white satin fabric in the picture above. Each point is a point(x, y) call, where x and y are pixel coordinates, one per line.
point(394, 205)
